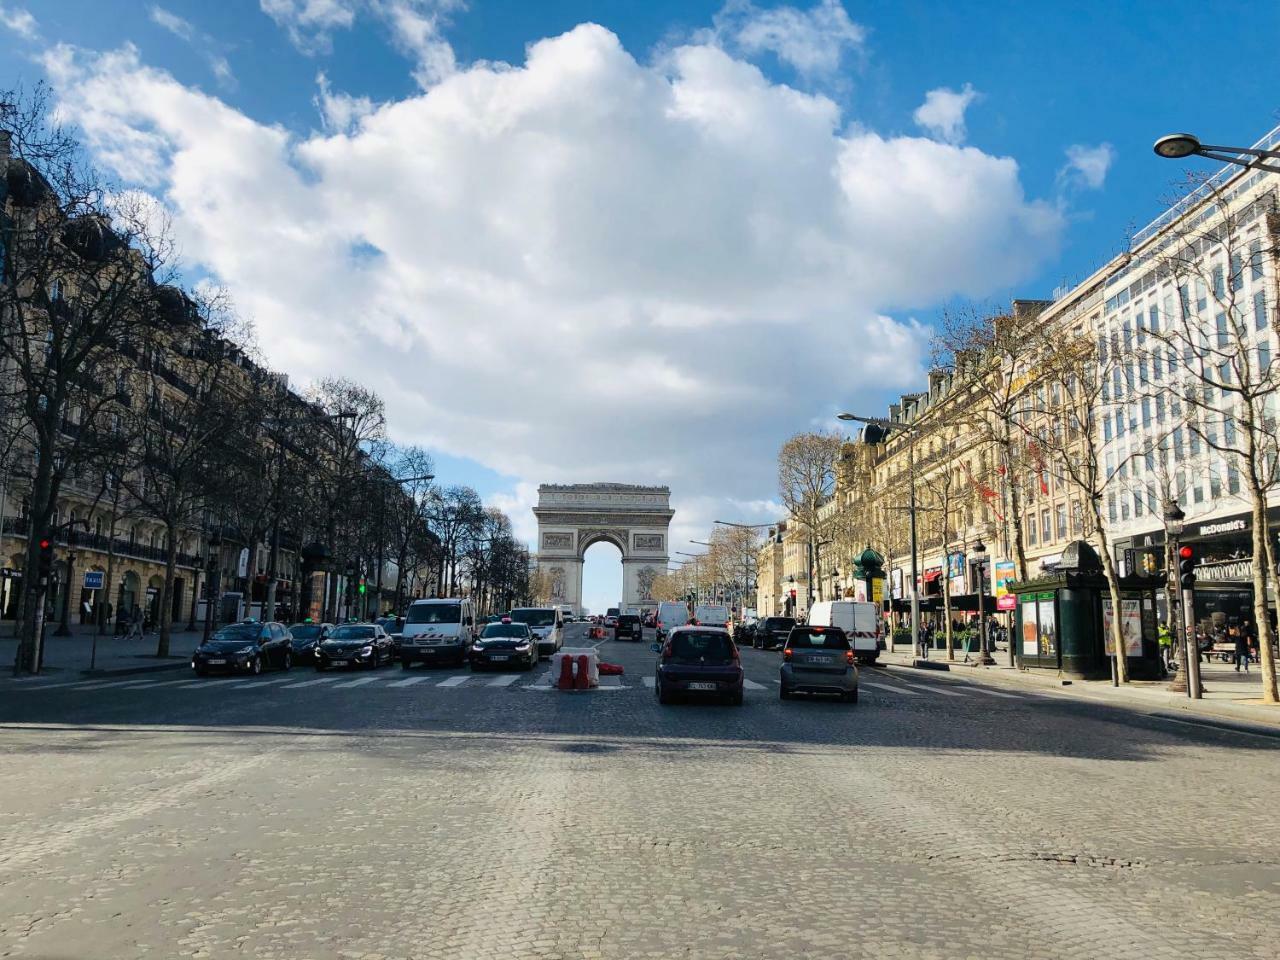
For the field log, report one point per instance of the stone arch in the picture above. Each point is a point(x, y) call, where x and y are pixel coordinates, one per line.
point(573, 517)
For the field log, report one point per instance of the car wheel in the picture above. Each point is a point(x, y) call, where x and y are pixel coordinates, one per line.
point(784, 693)
point(663, 696)
point(851, 697)
point(202, 671)
point(319, 668)
point(736, 699)
point(256, 669)
point(405, 664)
point(288, 660)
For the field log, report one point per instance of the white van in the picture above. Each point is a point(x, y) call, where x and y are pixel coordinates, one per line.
point(437, 631)
point(670, 616)
point(711, 615)
point(859, 620)
point(545, 623)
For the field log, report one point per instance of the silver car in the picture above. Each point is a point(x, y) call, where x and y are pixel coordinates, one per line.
point(818, 660)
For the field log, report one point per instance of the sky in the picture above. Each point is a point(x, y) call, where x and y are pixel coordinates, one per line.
point(637, 242)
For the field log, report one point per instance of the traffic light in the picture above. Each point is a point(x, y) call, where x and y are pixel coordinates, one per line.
point(363, 586)
point(1187, 561)
point(45, 566)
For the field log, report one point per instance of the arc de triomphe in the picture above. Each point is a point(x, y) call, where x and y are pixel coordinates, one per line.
point(635, 519)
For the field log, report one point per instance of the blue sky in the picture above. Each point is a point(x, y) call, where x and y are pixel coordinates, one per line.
point(647, 386)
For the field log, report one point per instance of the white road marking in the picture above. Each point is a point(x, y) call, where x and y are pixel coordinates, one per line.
point(752, 685)
point(249, 684)
point(891, 688)
point(503, 681)
point(355, 683)
point(409, 682)
point(141, 684)
point(202, 682)
point(936, 688)
point(454, 681)
point(311, 683)
point(109, 683)
point(994, 693)
point(648, 682)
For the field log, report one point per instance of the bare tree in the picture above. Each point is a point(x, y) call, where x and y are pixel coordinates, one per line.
point(81, 264)
point(806, 480)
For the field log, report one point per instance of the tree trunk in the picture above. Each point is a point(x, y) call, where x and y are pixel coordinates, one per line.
point(43, 496)
point(946, 604)
point(1263, 564)
point(166, 589)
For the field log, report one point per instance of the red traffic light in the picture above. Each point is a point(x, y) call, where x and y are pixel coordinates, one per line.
point(46, 544)
point(1186, 553)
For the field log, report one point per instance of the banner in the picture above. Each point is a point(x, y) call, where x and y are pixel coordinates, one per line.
point(877, 590)
point(1002, 576)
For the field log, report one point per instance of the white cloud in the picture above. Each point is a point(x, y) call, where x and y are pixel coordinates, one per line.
point(582, 267)
point(309, 23)
point(339, 111)
point(1087, 166)
point(812, 42)
point(943, 110)
point(20, 21)
point(185, 31)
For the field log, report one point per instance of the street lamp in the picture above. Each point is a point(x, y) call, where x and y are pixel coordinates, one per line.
point(883, 428)
point(979, 552)
point(1179, 146)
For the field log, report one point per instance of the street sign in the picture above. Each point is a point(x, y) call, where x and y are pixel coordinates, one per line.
point(93, 579)
point(242, 568)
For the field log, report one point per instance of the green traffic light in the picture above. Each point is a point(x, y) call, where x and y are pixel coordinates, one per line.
point(362, 588)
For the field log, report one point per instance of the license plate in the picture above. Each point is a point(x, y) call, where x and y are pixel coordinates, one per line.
point(702, 686)
point(337, 663)
point(816, 660)
point(499, 656)
point(429, 652)
point(217, 662)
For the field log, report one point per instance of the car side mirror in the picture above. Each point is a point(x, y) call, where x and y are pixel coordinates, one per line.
point(655, 647)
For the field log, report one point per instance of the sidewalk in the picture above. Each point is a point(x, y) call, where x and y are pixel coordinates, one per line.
point(1228, 695)
point(67, 656)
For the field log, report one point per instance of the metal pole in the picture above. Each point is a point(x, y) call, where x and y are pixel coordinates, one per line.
point(915, 571)
point(1191, 652)
point(64, 625)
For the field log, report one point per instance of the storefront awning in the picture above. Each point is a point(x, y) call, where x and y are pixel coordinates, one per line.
point(932, 575)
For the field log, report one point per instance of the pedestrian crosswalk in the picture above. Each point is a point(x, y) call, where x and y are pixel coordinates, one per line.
point(874, 684)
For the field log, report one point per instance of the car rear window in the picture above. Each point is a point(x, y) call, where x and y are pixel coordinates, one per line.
point(698, 646)
point(779, 623)
point(628, 618)
point(824, 638)
point(506, 630)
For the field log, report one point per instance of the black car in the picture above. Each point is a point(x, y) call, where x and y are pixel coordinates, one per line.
point(628, 628)
point(505, 644)
point(394, 626)
point(772, 632)
point(355, 645)
point(249, 647)
point(306, 636)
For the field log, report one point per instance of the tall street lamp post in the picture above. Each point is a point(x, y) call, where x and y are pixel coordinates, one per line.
point(1179, 146)
point(979, 552)
point(884, 427)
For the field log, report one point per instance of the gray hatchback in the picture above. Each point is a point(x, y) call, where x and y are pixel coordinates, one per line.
point(818, 660)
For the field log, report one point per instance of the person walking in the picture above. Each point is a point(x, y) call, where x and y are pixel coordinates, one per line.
point(1241, 646)
point(135, 624)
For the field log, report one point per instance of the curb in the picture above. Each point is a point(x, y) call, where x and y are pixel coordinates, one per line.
point(126, 671)
point(931, 665)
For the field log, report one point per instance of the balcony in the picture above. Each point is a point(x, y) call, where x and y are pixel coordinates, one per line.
point(81, 540)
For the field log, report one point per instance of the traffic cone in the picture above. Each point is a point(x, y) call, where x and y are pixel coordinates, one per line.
point(566, 673)
point(583, 680)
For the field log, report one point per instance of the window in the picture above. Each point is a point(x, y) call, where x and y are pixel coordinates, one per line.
point(1237, 272)
point(1060, 516)
point(1264, 356)
point(1219, 282)
point(1221, 321)
point(1233, 478)
point(1255, 259)
point(1077, 519)
point(1215, 482)
point(1106, 428)
point(1031, 531)
point(1160, 408)
point(1137, 504)
point(1259, 311)
point(1111, 507)
point(1146, 411)
point(1124, 507)
point(1202, 297)
point(1153, 319)
point(1046, 529)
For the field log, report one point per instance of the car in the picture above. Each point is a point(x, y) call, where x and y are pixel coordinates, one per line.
point(711, 614)
point(355, 645)
point(546, 624)
point(698, 661)
point(610, 621)
point(246, 647)
point(818, 660)
point(628, 628)
point(505, 644)
point(306, 636)
point(772, 632)
point(671, 615)
point(744, 633)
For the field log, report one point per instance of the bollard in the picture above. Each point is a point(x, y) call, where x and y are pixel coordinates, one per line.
point(583, 679)
point(566, 674)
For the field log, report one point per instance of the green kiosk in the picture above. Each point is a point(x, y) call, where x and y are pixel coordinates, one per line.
point(1062, 621)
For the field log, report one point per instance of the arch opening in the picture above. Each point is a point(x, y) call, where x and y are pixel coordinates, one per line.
point(601, 576)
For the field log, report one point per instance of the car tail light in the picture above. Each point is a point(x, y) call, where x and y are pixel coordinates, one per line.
point(786, 653)
point(736, 656)
point(666, 651)
point(848, 656)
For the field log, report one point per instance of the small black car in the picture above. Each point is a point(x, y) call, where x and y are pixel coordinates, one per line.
point(772, 632)
point(306, 636)
point(505, 644)
point(355, 645)
point(628, 628)
point(248, 647)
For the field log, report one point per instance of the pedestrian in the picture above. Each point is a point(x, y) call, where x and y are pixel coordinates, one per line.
point(135, 624)
point(1241, 648)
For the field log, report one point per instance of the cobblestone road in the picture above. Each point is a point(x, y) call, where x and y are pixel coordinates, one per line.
point(410, 815)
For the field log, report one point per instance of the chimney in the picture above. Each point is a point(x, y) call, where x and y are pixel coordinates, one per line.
point(936, 379)
point(5, 138)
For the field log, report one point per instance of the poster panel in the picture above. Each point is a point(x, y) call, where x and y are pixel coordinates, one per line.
point(1001, 577)
point(1048, 632)
point(1130, 626)
point(1030, 629)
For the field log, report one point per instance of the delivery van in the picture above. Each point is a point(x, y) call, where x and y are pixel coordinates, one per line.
point(671, 615)
point(859, 620)
point(437, 631)
point(711, 615)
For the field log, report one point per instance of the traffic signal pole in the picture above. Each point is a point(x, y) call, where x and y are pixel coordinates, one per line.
point(1192, 651)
